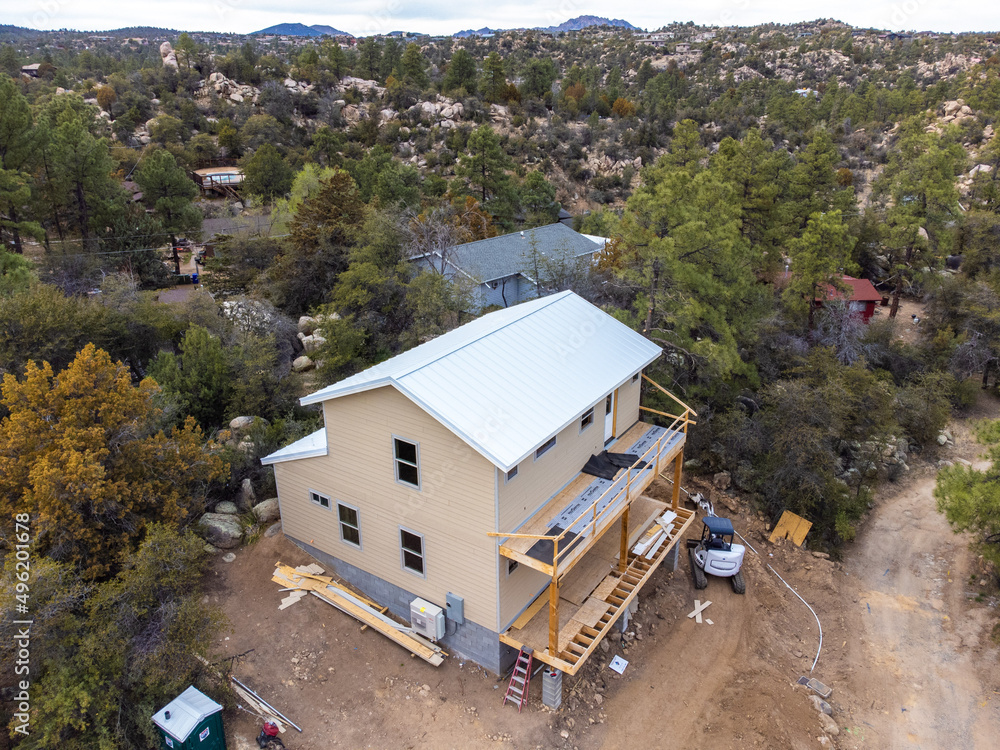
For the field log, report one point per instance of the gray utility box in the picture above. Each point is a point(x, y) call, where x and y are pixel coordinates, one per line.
point(191, 721)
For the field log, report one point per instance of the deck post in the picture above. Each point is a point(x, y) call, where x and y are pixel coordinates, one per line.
point(678, 468)
point(554, 616)
point(623, 555)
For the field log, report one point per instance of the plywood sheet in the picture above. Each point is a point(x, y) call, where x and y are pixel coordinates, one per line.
point(608, 585)
point(791, 526)
point(591, 612)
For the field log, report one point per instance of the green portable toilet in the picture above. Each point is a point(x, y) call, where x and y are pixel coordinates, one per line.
point(191, 721)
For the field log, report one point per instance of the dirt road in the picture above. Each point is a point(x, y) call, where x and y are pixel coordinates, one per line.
point(933, 673)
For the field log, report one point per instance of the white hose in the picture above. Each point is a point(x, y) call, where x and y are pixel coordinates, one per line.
point(810, 609)
point(710, 510)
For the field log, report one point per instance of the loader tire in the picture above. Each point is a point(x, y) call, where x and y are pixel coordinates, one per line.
point(739, 585)
point(700, 580)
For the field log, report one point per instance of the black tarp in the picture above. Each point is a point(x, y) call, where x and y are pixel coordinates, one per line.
point(606, 465)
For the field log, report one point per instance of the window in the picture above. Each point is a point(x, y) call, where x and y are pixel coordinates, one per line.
point(406, 456)
point(635, 377)
point(511, 474)
point(545, 447)
point(411, 547)
point(587, 419)
point(350, 524)
point(511, 566)
point(321, 500)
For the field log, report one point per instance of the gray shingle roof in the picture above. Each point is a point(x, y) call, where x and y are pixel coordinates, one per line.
point(508, 254)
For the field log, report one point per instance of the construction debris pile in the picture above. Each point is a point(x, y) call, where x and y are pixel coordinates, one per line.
point(309, 579)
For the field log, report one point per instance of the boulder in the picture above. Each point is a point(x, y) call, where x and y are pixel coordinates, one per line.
point(951, 108)
point(275, 529)
point(302, 364)
point(167, 55)
point(313, 343)
point(942, 439)
point(221, 530)
point(828, 725)
point(267, 510)
point(821, 705)
point(722, 480)
point(236, 97)
point(307, 324)
point(227, 507)
point(241, 423)
point(248, 498)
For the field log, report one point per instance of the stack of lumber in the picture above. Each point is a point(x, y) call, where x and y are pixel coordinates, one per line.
point(659, 533)
point(309, 579)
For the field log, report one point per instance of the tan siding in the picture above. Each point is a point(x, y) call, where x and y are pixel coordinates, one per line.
point(628, 405)
point(454, 508)
point(537, 481)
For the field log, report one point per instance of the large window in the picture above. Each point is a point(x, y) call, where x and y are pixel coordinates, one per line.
point(406, 456)
point(350, 524)
point(321, 500)
point(411, 546)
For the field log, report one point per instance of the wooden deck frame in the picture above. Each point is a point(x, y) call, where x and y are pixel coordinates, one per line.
point(582, 643)
point(629, 565)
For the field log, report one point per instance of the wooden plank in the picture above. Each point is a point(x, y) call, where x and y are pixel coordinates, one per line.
point(791, 526)
point(554, 616)
point(531, 611)
point(592, 611)
point(606, 587)
point(403, 639)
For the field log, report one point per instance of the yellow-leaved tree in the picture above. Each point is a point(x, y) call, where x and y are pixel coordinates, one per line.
point(82, 453)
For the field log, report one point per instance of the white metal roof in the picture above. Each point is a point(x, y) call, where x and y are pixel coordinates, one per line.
point(308, 447)
point(508, 381)
point(187, 710)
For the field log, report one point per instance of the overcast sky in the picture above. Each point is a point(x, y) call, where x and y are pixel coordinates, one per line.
point(445, 16)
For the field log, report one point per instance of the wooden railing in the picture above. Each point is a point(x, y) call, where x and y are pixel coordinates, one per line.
point(679, 424)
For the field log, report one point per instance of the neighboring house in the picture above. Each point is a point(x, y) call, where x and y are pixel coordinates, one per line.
point(452, 473)
point(502, 271)
point(861, 296)
point(31, 70)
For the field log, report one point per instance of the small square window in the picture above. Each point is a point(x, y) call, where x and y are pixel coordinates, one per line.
point(412, 550)
point(635, 377)
point(350, 524)
point(511, 474)
point(511, 565)
point(545, 447)
point(321, 500)
point(587, 419)
point(406, 457)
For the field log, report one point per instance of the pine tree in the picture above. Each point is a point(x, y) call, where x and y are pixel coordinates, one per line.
point(484, 163)
point(494, 79)
point(412, 67)
point(168, 190)
point(461, 73)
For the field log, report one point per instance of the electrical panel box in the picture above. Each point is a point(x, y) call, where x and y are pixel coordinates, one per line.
point(427, 619)
point(456, 608)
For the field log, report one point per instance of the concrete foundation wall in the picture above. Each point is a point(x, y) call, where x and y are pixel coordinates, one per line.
point(468, 641)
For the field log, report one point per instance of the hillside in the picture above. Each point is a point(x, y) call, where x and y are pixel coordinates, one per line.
point(290, 29)
point(584, 22)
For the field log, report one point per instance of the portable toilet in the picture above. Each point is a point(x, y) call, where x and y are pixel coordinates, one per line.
point(191, 721)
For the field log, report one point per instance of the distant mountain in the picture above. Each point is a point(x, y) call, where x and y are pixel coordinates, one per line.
point(289, 29)
point(323, 29)
point(475, 32)
point(583, 22)
point(573, 24)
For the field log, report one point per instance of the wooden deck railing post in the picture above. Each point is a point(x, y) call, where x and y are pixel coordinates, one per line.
point(623, 554)
point(554, 602)
point(678, 468)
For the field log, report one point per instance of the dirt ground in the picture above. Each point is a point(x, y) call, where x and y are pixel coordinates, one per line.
point(906, 649)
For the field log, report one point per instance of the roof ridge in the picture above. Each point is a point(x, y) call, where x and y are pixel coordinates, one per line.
point(549, 300)
point(510, 234)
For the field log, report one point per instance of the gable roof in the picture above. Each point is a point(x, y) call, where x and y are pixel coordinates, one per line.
point(507, 382)
point(310, 446)
point(499, 257)
point(861, 290)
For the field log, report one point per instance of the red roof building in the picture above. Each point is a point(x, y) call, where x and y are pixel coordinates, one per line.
point(861, 296)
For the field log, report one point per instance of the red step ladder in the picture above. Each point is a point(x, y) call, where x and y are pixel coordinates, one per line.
point(517, 690)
